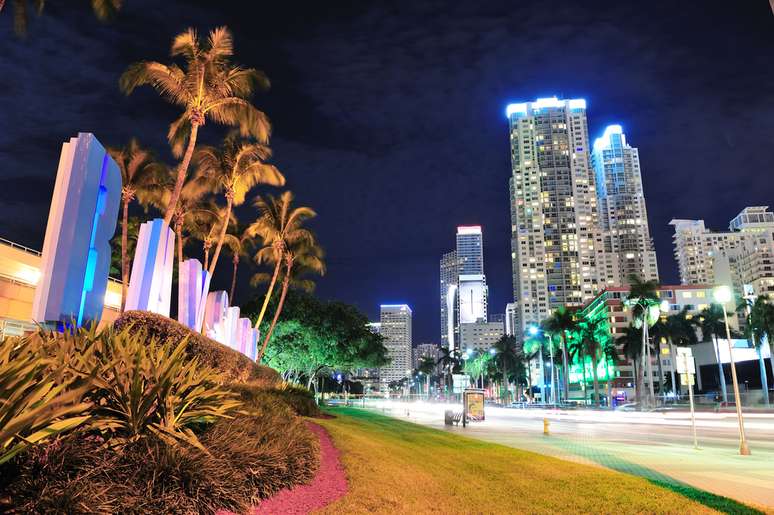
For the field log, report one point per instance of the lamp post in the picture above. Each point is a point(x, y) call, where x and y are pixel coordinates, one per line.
point(723, 295)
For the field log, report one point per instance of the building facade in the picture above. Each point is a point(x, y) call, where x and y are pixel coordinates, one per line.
point(623, 217)
point(449, 272)
point(480, 336)
point(555, 240)
point(743, 255)
point(395, 327)
point(425, 350)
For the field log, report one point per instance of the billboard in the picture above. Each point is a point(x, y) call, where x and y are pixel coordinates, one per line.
point(472, 298)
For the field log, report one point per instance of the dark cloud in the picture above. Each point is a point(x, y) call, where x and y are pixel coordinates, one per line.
point(389, 116)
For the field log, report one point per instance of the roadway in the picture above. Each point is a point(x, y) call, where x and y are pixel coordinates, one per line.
point(658, 446)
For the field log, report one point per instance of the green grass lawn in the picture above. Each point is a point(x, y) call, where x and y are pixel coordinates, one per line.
point(399, 467)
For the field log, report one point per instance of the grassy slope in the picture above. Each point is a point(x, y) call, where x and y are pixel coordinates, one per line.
point(399, 467)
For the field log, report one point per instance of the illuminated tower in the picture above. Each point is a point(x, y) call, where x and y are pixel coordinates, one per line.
point(555, 240)
point(449, 271)
point(395, 327)
point(623, 217)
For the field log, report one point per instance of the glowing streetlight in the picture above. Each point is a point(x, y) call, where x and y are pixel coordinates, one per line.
point(723, 295)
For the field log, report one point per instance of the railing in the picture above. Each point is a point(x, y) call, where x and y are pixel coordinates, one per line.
point(20, 247)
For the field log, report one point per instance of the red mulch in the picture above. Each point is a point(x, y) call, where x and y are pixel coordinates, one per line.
point(329, 484)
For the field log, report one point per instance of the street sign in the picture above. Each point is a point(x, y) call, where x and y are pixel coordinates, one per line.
point(685, 363)
point(685, 378)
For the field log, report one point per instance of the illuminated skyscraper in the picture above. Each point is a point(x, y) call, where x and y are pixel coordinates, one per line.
point(395, 327)
point(449, 269)
point(555, 240)
point(623, 217)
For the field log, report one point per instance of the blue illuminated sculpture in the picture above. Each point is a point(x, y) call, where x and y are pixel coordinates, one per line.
point(193, 287)
point(76, 251)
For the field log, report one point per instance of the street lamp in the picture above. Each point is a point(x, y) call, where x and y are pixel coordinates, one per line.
point(722, 296)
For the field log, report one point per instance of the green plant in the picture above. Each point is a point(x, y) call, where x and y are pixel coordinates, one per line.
point(35, 404)
point(298, 398)
point(145, 388)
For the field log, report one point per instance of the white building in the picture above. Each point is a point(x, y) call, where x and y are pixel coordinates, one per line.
point(555, 239)
point(742, 255)
point(463, 288)
point(511, 318)
point(623, 216)
point(395, 327)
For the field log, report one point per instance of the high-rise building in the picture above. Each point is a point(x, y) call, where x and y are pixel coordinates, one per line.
point(511, 318)
point(480, 336)
point(395, 327)
point(449, 269)
point(555, 240)
point(425, 350)
point(623, 217)
point(743, 255)
point(464, 292)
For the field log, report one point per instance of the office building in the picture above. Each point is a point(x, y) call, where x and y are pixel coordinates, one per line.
point(449, 272)
point(623, 217)
point(395, 327)
point(555, 240)
point(425, 350)
point(511, 318)
point(480, 336)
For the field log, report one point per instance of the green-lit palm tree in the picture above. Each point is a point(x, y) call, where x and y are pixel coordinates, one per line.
point(562, 322)
point(207, 87)
point(140, 177)
point(506, 358)
point(610, 355)
point(301, 257)
point(235, 168)
point(278, 226)
point(712, 324)
point(644, 302)
point(593, 338)
point(631, 345)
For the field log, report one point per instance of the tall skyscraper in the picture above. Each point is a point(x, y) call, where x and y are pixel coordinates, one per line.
point(395, 327)
point(449, 283)
point(464, 291)
point(555, 240)
point(743, 255)
point(623, 217)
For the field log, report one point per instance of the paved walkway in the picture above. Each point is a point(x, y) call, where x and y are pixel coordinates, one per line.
point(655, 446)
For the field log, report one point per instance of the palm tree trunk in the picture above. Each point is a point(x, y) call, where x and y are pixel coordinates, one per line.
point(179, 234)
point(644, 366)
point(182, 171)
point(223, 230)
point(124, 254)
point(285, 284)
point(565, 368)
point(583, 367)
point(764, 379)
point(207, 257)
point(233, 278)
point(637, 384)
point(660, 373)
point(595, 378)
point(720, 369)
point(269, 291)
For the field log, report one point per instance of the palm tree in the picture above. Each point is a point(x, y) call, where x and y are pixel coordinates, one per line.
point(234, 169)
point(576, 349)
point(103, 9)
point(238, 243)
point(759, 329)
point(631, 343)
point(506, 357)
point(208, 86)
point(426, 367)
point(610, 355)
point(279, 225)
point(643, 300)
point(191, 207)
point(562, 322)
point(593, 336)
point(675, 329)
point(300, 257)
point(448, 361)
point(140, 174)
point(712, 324)
point(205, 224)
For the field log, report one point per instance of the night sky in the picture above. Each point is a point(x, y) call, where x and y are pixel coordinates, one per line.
point(389, 117)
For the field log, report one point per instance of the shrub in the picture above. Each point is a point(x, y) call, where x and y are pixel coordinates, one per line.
point(35, 404)
point(235, 366)
point(301, 400)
